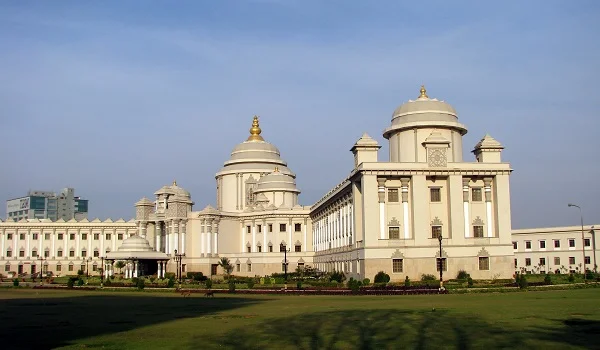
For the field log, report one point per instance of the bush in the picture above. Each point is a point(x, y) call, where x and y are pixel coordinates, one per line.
point(141, 284)
point(79, 272)
point(381, 277)
point(547, 279)
point(197, 276)
point(16, 282)
point(462, 275)
point(366, 282)
point(170, 275)
point(337, 276)
point(590, 275)
point(231, 287)
point(71, 282)
point(171, 282)
point(134, 280)
point(299, 285)
point(208, 283)
point(407, 282)
point(354, 285)
point(427, 277)
point(522, 282)
point(469, 282)
point(80, 282)
point(107, 282)
point(250, 283)
point(571, 278)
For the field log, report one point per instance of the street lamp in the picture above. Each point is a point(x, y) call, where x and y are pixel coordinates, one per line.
point(87, 267)
point(102, 272)
point(178, 261)
point(41, 259)
point(593, 233)
point(282, 247)
point(441, 262)
point(582, 236)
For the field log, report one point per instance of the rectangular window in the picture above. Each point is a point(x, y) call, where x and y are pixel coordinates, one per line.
point(435, 195)
point(120, 236)
point(571, 243)
point(394, 233)
point(270, 227)
point(34, 254)
point(301, 266)
point(476, 195)
point(515, 246)
point(21, 253)
point(96, 253)
point(397, 266)
point(282, 227)
point(392, 195)
point(270, 249)
point(47, 236)
point(58, 268)
point(527, 261)
point(282, 248)
point(259, 228)
point(297, 227)
point(298, 248)
point(9, 236)
point(283, 267)
point(259, 248)
point(527, 244)
point(248, 229)
point(94, 268)
point(59, 253)
point(248, 249)
point(9, 253)
point(442, 262)
point(586, 242)
point(7, 267)
point(83, 253)
point(46, 254)
point(556, 261)
point(84, 236)
point(542, 261)
point(542, 244)
point(60, 236)
point(72, 236)
point(35, 236)
point(484, 263)
point(238, 267)
point(556, 243)
point(71, 267)
point(478, 231)
point(571, 260)
point(96, 236)
point(587, 260)
point(516, 263)
point(71, 253)
point(22, 236)
point(82, 267)
point(249, 267)
point(108, 237)
point(436, 231)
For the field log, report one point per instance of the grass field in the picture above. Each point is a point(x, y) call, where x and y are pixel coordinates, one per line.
point(44, 319)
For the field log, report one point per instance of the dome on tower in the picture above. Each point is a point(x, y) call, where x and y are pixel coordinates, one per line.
point(276, 181)
point(135, 244)
point(173, 190)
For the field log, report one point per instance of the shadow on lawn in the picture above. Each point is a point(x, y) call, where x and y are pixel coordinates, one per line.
point(393, 329)
point(45, 323)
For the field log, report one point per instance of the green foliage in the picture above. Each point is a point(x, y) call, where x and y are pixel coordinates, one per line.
point(462, 275)
point(15, 282)
point(522, 282)
point(170, 275)
point(71, 281)
point(571, 278)
point(337, 276)
point(134, 280)
point(79, 272)
point(366, 282)
point(354, 285)
point(469, 282)
point(120, 265)
point(231, 286)
point(407, 282)
point(141, 284)
point(250, 284)
point(381, 277)
point(196, 276)
point(590, 275)
point(107, 283)
point(208, 283)
point(547, 279)
point(80, 282)
point(427, 277)
point(298, 284)
point(226, 266)
point(171, 282)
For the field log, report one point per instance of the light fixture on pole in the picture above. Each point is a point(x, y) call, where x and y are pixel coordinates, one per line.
point(582, 236)
point(441, 262)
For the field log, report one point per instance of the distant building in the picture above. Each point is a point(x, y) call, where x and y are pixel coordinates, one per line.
point(48, 205)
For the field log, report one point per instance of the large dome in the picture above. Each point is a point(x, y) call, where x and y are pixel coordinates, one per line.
point(135, 244)
point(276, 181)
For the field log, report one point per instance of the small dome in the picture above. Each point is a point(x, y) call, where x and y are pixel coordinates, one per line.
point(424, 109)
point(144, 202)
point(276, 181)
point(174, 190)
point(135, 244)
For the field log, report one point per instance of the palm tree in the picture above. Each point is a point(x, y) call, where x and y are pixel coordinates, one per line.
point(120, 265)
point(226, 265)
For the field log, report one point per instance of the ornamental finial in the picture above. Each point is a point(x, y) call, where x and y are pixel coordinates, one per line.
point(423, 92)
point(174, 182)
point(255, 131)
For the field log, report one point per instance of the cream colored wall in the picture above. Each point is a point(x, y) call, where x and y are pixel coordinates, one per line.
point(406, 146)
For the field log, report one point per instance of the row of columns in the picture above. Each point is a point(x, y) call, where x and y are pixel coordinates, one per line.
point(171, 238)
point(487, 188)
point(334, 227)
point(405, 211)
point(290, 228)
point(209, 240)
point(343, 264)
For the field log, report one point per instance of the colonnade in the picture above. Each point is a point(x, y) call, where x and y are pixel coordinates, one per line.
point(169, 235)
point(333, 227)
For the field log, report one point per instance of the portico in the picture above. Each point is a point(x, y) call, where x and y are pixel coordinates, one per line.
point(139, 257)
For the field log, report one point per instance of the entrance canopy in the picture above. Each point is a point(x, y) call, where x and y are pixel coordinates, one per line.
point(140, 258)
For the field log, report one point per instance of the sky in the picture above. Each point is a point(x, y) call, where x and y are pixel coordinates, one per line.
point(118, 98)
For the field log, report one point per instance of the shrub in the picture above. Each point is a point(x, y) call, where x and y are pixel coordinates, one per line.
point(427, 277)
point(366, 282)
point(107, 282)
point(469, 282)
point(80, 282)
point(141, 284)
point(250, 283)
point(299, 285)
point(170, 275)
point(381, 277)
point(522, 282)
point(571, 278)
point(547, 279)
point(337, 276)
point(71, 282)
point(208, 283)
point(171, 282)
point(197, 276)
point(407, 282)
point(134, 280)
point(231, 287)
point(462, 275)
point(590, 275)
point(79, 272)
point(354, 285)
point(16, 282)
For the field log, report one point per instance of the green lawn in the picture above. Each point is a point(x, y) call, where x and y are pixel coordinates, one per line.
point(43, 319)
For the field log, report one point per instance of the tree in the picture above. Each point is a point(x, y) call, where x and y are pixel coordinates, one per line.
point(120, 265)
point(226, 265)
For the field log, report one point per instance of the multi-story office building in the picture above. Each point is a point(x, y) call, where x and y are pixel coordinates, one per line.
point(48, 205)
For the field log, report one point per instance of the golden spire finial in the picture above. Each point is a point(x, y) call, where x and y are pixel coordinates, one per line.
point(174, 182)
point(423, 92)
point(276, 169)
point(255, 131)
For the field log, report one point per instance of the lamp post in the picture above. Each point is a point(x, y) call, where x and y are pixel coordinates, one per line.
point(593, 233)
point(87, 267)
point(102, 272)
point(41, 259)
point(441, 262)
point(285, 263)
point(582, 236)
point(178, 261)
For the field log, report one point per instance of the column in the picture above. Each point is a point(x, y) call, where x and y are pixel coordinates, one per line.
point(208, 234)
point(381, 194)
point(135, 268)
point(176, 244)
point(487, 183)
point(182, 229)
point(405, 181)
point(242, 236)
point(265, 231)
point(113, 238)
point(215, 236)
point(27, 238)
point(157, 236)
point(304, 242)
point(465, 182)
point(253, 249)
point(290, 243)
point(53, 236)
point(160, 267)
point(102, 237)
point(202, 240)
point(90, 238)
point(3, 238)
point(77, 243)
point(41, 241)
point(167, 238)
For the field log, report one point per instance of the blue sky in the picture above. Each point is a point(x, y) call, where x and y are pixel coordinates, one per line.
point(118, 98)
